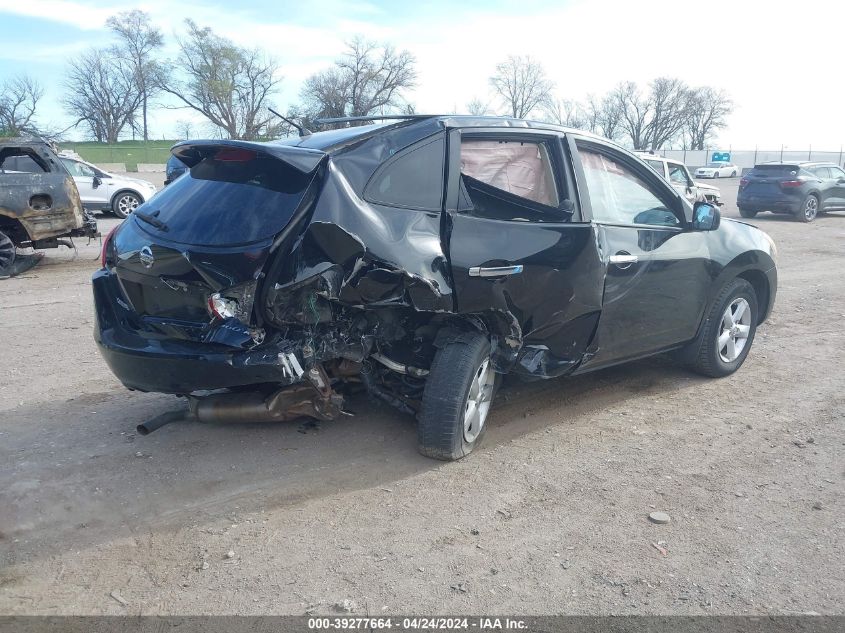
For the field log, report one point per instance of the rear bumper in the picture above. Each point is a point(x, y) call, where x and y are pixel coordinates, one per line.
point(150, 363)
point(757, 203)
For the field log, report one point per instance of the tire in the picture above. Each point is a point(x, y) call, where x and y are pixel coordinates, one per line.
point(716, 352)
point(715, 175)
point(124, 203)
point(460, 368)
point(8, 253)
point(809, 209)
point(748, 213)
point(733, 175)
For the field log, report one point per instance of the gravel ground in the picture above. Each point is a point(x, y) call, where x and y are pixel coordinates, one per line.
point(550, 515)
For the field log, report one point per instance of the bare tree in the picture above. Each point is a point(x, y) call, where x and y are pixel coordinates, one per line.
point(366, 79)
point(477, 107)
point(563, 112)
point(707, 112)
point(19, 97)
point(139, 40)
point(653, 119)
point(185, 128)
point(522, 84)
point(228, 84)
point(101, 94)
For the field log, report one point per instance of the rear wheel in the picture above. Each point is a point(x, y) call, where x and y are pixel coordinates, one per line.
point(7, 254)
point(809, 209)
point(747, 213)
point(125, 203)
point(716, 174)
point(457, 398)
point(728, 332)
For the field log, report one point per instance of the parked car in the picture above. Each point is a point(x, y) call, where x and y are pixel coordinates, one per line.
point(173, 169)
point(104, 191)
point(420, 260)
point(717, 170)
point(39, 204)
point(802, 189)
point(679, 177)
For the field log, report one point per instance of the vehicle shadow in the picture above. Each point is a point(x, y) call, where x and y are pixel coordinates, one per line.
point(75, 473)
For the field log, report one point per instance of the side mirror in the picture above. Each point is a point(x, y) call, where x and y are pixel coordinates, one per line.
point(705, 217)
point(97, 182)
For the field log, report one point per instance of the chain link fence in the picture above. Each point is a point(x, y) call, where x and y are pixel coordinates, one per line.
point(747, 158)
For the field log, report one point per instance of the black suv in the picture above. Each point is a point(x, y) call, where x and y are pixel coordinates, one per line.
point(802, 189)
point(418, 260)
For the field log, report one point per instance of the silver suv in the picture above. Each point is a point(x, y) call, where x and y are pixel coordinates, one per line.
point(104, 191)
point(679, 177)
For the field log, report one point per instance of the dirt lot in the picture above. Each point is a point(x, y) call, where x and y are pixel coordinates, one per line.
point(549, 516)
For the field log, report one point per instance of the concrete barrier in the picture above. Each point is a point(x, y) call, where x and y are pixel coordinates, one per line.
point(112, 166)
point(150, 167)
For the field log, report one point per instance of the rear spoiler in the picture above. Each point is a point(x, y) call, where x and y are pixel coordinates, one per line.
point(300, 158)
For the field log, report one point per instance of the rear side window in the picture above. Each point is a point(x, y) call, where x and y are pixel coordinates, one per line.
point(22, 160)
point(821, 172)
point(243, 198)
point(518, 167)
point(412, 179)
point(656, 165)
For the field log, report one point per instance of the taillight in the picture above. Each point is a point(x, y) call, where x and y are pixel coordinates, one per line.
point(106, 246)
point(786, 184)
point(222, 307)
point(743, 182)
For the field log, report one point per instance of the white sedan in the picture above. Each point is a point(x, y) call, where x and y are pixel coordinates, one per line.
point(103, 191)
point(717, 170)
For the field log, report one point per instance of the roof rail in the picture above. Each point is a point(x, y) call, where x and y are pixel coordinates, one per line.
point(373, 117)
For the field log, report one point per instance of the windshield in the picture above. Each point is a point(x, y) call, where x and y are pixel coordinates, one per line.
point(227, 202)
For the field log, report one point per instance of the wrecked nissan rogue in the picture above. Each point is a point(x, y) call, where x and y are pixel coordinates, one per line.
point(419, 260)
point(39, 202)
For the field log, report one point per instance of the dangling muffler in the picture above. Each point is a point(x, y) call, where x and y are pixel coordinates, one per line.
point(314, 399)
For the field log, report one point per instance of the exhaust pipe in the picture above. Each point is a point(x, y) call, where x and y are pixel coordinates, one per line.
point(159, 421)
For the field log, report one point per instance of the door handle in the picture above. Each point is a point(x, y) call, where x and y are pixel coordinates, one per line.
point(623, 260)
point(495, 271)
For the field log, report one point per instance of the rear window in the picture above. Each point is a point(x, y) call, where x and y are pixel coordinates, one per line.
point(775, 170)
point(228, 202)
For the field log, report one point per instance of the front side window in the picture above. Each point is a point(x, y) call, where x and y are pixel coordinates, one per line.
point(77, 169)
point(678, 175)
point(620, 196)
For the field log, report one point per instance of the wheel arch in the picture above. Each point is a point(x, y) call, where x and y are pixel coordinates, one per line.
point(762, 290)
point(14, 228)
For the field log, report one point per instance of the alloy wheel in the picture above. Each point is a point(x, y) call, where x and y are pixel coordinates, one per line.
point(734, 330)
point(127, 203)
point(811, 208)
point(478, 400)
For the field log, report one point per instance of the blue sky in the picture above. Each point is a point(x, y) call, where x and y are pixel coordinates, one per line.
point(779, 61)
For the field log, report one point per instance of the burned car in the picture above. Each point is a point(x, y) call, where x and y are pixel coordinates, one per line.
point(39, 202)
point(420, 260)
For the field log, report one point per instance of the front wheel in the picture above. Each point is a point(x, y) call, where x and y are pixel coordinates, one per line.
point(125, 203)
point(457, 397)
point(728, 332)
point(747, 213)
